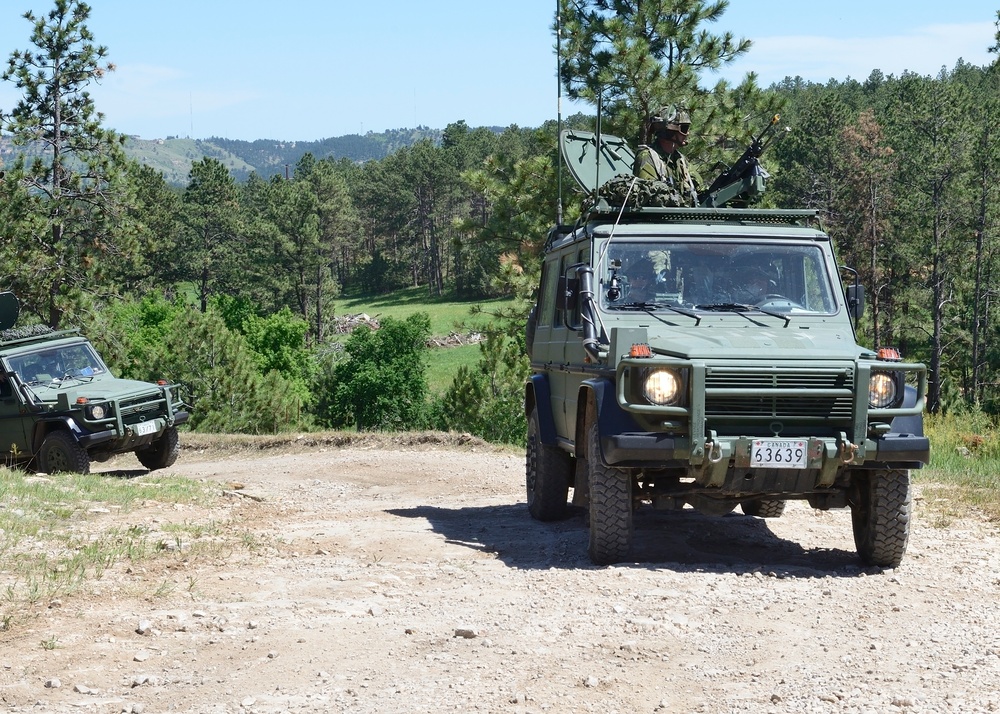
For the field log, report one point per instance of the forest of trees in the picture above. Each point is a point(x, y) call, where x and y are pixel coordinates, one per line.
point(228, 285)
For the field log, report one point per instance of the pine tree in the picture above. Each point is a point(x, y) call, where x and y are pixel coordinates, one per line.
point(71, 165)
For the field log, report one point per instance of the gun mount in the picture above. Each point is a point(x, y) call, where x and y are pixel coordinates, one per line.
point(745, 177)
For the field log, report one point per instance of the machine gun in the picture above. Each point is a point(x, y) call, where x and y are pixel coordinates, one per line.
point(746, 176)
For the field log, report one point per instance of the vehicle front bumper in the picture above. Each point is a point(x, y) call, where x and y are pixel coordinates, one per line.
point(724, 460)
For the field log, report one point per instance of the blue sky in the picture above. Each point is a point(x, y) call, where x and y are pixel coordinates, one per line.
point(310, 69)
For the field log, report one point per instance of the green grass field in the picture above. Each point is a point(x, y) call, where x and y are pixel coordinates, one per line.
point(447, 316)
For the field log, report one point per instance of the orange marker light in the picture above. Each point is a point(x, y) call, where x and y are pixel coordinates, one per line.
point(889, 354)
point(640, 349)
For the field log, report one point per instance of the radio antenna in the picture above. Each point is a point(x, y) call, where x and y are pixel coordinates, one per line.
point(559, 160)
point(599, 141)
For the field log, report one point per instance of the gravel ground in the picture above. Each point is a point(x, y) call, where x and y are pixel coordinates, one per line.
point(412, 580)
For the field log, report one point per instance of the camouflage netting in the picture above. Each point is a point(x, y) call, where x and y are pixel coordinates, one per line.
point(20, 333)
point(634, 192)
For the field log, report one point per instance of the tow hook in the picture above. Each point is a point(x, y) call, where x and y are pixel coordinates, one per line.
point(848, 452)
point(714, 452)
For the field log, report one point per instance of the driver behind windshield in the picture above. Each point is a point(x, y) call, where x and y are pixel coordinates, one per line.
point(641, 281)
point(755, 288)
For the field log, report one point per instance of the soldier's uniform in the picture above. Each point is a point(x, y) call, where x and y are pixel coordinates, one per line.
point(672, 170)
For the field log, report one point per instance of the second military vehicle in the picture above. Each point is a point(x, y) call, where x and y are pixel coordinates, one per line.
point(61, 408)
point(707, 357)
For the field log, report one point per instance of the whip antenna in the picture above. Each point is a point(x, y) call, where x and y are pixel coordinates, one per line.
point(559, 160)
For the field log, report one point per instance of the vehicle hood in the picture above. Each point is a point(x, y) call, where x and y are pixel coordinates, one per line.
point(716, 342)
point(95, 390)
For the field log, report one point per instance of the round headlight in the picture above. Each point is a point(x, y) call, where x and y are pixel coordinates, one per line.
point(97, 412)
point(881, 390)
point(661, 387)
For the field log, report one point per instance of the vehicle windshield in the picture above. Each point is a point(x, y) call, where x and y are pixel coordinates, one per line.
point(59, 363)
point(716, 276)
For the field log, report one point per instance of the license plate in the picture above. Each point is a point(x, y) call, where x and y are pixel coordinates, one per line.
point(145, 427)
point(778, 454)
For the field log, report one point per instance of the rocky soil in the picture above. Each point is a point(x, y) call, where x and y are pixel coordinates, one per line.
point(411, 579)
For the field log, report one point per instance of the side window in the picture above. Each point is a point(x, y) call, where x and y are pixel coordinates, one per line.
point(562, 318)
point(547, 300)
point(582, 256)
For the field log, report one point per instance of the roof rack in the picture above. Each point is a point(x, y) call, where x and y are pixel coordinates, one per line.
point(766, 216)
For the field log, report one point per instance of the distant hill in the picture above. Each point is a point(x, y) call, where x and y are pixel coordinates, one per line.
point(173, 156)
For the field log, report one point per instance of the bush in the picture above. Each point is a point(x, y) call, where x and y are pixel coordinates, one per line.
point(382, 385)
point(488, 400)
point(278, 342)
point(221, 381)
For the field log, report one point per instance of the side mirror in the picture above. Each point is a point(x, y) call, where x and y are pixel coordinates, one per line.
point(856, 301)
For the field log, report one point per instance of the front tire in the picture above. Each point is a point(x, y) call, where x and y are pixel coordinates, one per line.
point(60, 453)
point(162, 453)
point(610, 506)
point(880, 515)
point(547, 473)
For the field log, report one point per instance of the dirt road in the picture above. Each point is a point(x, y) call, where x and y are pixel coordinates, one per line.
point(413, 580)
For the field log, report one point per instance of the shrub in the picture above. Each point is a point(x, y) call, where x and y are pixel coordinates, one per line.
point(488, 400)
point(382, 385)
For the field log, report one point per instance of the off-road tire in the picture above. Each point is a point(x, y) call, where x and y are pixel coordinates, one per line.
point(60, 453)
point(764, 508)
point(880, 514)
point(610, 506)
point(162, 453)
point(547, 471)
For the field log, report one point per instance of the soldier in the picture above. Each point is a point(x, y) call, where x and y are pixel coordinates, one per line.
point(641, 281)
point(663, 161)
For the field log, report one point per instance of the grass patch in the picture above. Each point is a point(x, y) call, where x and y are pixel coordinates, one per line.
point(447, 313)
point(52, 540)
point(443, 364)
point(964, 474)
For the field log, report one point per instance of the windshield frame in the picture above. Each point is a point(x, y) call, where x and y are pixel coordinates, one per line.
point(49, 363)
point(799, 265)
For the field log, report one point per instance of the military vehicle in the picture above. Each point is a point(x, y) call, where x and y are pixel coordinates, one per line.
point(706, 357)
point(61, 408)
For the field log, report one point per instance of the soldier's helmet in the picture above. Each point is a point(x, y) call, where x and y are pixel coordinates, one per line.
point(672, 118)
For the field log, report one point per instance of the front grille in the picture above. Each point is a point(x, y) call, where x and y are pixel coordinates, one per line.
point(130, 409)
point(802, 394)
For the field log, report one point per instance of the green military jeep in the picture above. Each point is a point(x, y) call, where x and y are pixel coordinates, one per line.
point(707, 357)
point(61, 408)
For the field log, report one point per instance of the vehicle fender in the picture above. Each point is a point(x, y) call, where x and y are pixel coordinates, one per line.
point(45, 427)
point(611, 418)
point(537, 394)
point(912, 423)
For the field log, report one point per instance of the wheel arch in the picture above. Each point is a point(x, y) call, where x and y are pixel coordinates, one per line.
point(912, 423)
point(598, 400)
point(538, 395)
point(45, 427)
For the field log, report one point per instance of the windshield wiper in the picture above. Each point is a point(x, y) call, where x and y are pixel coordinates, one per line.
point(651, 306)
point(75, 375)
point(741, 308)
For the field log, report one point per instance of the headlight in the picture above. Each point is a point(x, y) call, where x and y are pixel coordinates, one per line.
point(662, 387)
point(882, 390)
point(96, 411)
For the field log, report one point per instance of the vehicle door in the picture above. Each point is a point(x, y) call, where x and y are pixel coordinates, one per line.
point(14, 423)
